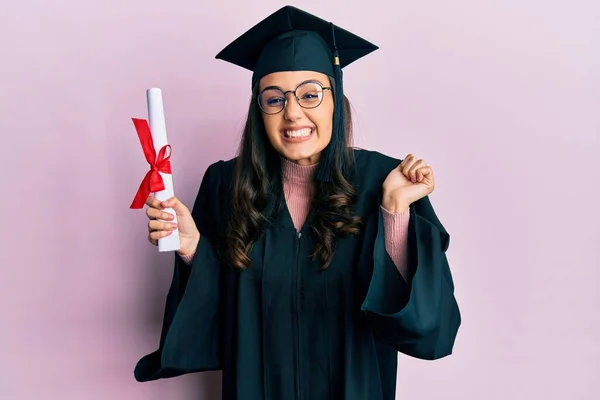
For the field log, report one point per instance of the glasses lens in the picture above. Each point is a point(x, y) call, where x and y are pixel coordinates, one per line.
point(309, 94)
point(271, 101)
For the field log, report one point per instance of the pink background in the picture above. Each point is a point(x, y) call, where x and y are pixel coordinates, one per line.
point(502, 98)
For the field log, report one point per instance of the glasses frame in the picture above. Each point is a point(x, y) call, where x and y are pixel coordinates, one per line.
point(285, 98)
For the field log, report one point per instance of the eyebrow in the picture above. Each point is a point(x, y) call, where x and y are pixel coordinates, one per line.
point(303, 82)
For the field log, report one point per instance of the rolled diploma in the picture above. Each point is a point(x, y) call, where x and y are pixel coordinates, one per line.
point(156, 120)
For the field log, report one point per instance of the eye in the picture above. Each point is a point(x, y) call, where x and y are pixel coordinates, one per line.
point(311, 95)
point(272, 98)
point(273, 101)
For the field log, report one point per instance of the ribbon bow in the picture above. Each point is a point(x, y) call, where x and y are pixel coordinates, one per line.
point(152, 182)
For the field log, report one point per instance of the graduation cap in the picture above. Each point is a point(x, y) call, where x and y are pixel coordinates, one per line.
point(291, 39)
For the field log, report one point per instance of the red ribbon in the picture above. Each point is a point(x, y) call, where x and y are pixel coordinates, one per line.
point(152, 182)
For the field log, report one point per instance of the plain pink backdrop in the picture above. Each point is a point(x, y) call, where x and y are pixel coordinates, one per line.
point(502, 98)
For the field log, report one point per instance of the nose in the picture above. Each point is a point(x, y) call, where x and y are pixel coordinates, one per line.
point(292, 110)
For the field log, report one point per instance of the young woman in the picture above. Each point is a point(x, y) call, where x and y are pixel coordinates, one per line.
point(305, 264)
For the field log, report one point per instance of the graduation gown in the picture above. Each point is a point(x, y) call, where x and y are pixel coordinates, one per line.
point(286, 329)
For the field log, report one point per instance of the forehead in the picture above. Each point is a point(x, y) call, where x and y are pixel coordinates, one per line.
point(288, 80)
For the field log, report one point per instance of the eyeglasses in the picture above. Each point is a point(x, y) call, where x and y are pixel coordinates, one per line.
point(272, 100)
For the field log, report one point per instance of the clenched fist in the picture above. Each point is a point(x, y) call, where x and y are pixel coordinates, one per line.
point(409, 182)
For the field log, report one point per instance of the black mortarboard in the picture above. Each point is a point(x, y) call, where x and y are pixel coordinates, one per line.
point(293, 40)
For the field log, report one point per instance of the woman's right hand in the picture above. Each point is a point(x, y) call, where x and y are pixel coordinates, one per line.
point(189, 236)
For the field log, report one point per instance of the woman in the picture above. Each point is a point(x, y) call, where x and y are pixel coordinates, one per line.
point(305, 264)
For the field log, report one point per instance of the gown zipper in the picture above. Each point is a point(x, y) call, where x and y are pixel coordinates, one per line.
point(297, 301)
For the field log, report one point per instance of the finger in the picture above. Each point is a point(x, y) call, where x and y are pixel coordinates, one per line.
point(412, 172)
point(419, 175)
point(154, 208)
point(410, 160)
point(154, 213)
point(426, 172)
point(152, 201)
point(174, 203)
point(405, 160)
point(155, 235)
point(154, 225)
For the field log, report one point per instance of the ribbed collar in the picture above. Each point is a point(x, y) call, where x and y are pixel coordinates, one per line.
point(293, 172)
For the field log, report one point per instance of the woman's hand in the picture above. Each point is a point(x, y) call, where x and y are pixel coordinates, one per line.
point(409, 182)
point(189, 236)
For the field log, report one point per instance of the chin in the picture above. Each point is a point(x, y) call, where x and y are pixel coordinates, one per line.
point(302, 155)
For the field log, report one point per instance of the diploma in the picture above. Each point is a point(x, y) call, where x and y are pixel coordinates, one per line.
point(158, 180)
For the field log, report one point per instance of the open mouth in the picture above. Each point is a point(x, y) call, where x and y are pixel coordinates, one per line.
point(297, 133)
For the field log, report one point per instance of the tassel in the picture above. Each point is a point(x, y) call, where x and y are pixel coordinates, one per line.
point(338, 134)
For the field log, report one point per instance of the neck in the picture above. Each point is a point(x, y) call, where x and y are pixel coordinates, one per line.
point(297, 173)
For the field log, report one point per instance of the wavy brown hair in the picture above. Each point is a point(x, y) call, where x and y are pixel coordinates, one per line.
point(257, 194)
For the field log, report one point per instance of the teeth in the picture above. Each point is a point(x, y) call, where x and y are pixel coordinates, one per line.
point(298, 133)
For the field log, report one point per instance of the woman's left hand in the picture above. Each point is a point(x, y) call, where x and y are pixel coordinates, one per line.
point(409, 182)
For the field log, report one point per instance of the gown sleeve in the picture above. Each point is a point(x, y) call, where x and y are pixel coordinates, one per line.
point(419, 318)
point(190, 331)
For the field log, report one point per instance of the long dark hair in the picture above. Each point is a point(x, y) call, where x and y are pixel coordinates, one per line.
point(257, 194)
